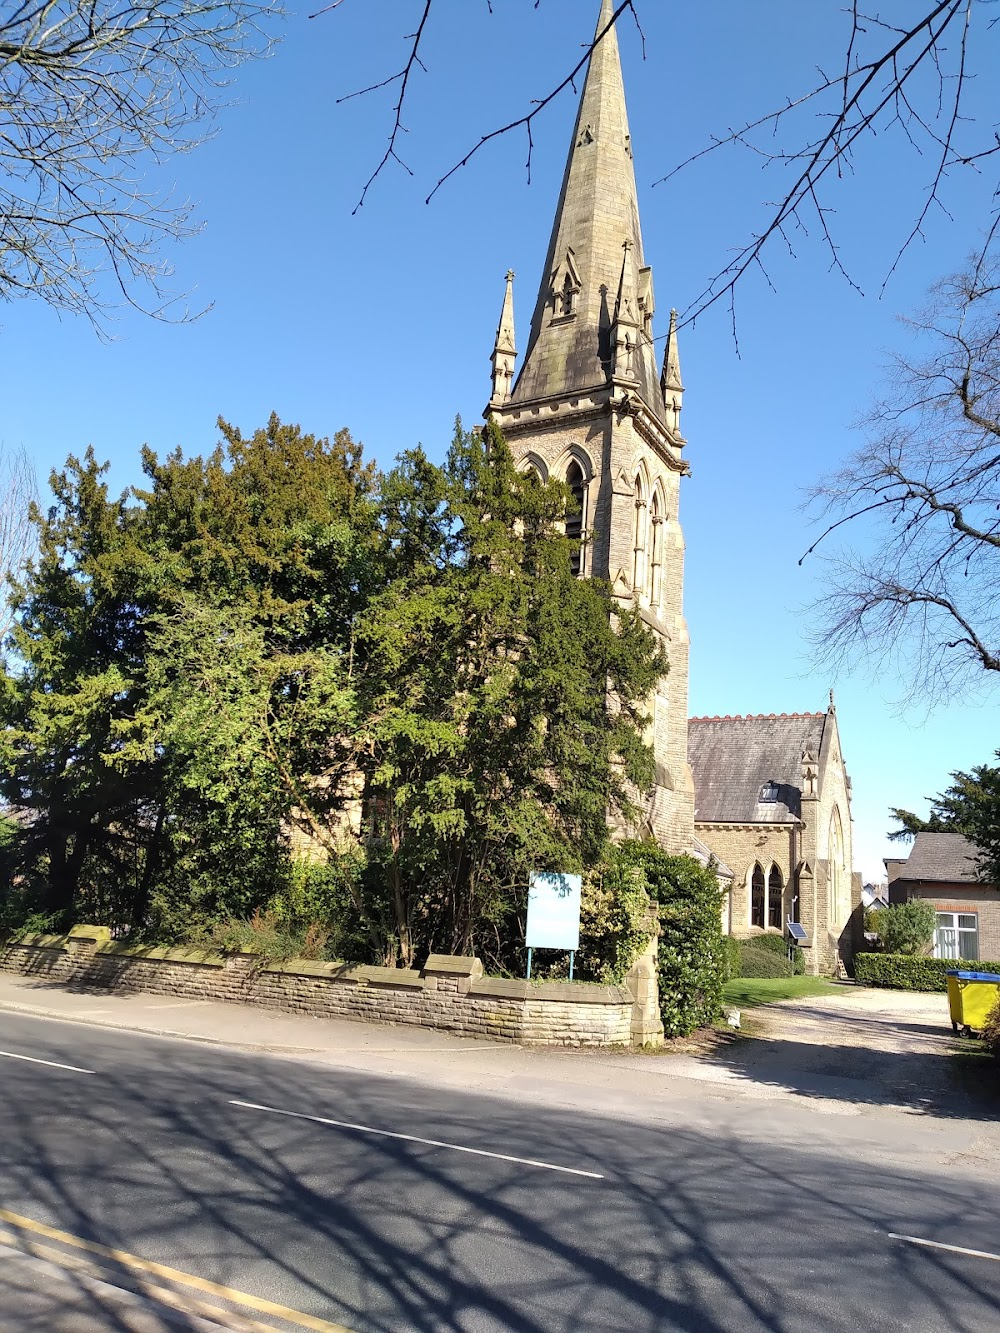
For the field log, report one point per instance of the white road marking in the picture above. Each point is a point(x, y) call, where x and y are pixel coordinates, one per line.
point(412, 1138)
point(939, 1245)
point(53, 1064)
point(182, 1004)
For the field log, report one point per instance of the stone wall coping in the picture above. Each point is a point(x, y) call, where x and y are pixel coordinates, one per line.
point(454, 965)
point(165, 953)
point(558, 992)
point(37, 942)
point(93, 934)
point(391, 976)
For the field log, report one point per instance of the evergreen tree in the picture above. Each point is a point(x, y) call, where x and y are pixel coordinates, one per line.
point(504, 710)
point(74, 671)
point(121, 730)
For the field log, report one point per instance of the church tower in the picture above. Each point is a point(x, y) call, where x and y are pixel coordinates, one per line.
point(588, 407)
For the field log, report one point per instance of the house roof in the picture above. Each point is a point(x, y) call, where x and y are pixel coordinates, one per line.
point(944, 857)
point(733, 757)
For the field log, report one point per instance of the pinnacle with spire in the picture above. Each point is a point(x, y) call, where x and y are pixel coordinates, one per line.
point(573, 344)
point(504, 351)
point(670, 381)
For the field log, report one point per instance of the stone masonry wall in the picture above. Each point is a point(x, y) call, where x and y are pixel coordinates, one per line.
point(450, 993)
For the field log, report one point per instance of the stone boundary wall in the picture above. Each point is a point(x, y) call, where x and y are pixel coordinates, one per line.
point(450, 993)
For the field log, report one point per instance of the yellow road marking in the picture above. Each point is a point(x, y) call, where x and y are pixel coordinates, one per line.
point(174, 1275)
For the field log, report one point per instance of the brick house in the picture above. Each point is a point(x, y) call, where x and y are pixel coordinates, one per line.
point(942, 868)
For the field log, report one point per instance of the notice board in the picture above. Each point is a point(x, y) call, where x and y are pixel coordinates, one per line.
point(553, 911)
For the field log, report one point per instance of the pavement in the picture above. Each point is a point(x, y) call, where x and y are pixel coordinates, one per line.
point(289, 1173)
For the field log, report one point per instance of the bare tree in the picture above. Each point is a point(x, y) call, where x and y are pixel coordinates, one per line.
point(18, 493)
point(923, 498)
point(894, 85)
point(91, 92)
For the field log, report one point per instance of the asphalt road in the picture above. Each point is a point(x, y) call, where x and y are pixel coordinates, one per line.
point(393, 1206)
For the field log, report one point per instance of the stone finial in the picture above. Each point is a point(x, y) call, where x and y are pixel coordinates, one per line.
point(625, 329)
point(671, 385)
point(504, 350)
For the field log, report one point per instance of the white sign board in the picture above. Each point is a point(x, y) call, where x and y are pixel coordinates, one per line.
point(553, 911)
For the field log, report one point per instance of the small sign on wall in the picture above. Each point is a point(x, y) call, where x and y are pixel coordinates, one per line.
point(553, 911)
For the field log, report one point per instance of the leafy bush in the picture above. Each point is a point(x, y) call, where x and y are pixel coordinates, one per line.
point(616, 920)
point(36, 923)
point(904, 972)
point(771, 942)
point(756, 962)
point(264, 935)
point(904, 928)
point(731, 956)
point(775, 944)
point(991, 1030)
point(691, 955)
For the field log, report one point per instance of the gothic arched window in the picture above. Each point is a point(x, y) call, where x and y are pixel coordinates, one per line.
point(839, 878)
point(775, 888)
point(576, 482)
point(655, 581)
point(639, 535)
point(757, 893)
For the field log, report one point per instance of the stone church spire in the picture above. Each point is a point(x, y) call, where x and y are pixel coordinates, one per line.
point(570, 344)
point(590, 410)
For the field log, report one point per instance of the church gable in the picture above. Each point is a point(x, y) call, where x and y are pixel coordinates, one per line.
point(750, 769)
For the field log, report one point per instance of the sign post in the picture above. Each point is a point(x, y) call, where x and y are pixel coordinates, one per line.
point(553, 913)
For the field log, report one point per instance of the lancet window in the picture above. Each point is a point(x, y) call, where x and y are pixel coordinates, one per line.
point(640, 536)
point(577, 484)
point(758, 897)
point(655, 582)
point(775, 889)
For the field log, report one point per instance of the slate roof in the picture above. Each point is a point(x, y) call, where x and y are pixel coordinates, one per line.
point(733, 757)
point(941, 857)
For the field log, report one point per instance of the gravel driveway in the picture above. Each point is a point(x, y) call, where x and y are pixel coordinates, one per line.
point(866, 1046)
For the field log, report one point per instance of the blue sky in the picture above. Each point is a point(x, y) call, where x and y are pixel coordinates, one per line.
point(383, 321)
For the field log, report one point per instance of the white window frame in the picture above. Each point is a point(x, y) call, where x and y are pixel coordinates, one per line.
point(959, 931)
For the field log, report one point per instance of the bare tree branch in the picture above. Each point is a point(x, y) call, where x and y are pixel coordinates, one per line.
point(18, 491)
point(403, 79)
point(89, 91)
point(923, 499)
point(911, 78)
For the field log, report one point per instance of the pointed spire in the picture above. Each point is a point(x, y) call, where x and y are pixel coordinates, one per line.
point(504, 351)
point(671, 377)
point(670, 381)
point(569, 348)
point(625, 331)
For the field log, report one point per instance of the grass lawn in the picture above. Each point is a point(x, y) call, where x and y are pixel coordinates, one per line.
point(745, 992)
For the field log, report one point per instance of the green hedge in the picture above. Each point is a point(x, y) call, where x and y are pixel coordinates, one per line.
point(777, 944)
point(731, 956)
point(897, 971)
point(756, 962)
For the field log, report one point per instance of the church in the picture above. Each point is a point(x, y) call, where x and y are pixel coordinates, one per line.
point(766, 798)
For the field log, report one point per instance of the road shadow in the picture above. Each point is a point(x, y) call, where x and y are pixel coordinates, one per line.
point(958, 1083)
point(674, 1229)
